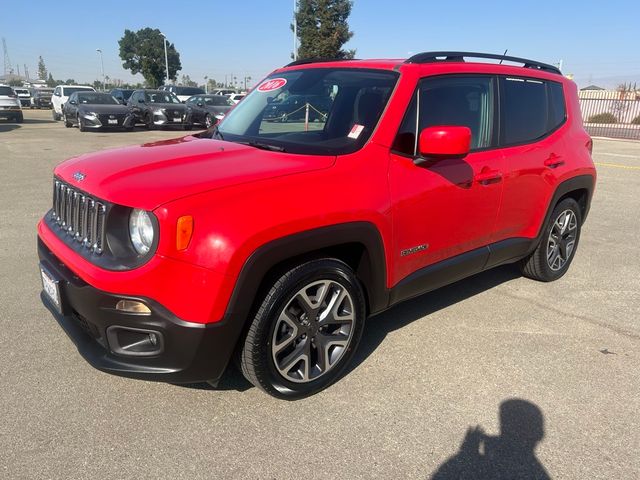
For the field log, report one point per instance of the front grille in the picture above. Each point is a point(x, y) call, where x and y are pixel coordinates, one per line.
point(104, 119)
point(78, 215)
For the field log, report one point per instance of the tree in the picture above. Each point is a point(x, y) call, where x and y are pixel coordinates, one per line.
point(187, 82)
point(50, 81)
point(322, 28)
point(42, 69)
point(143, 52)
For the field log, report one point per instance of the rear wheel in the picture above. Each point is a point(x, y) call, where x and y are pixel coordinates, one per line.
point(553, 255)
point(19, 118)
point(305, 331)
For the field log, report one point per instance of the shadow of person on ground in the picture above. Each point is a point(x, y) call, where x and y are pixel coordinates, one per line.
point(510, 455)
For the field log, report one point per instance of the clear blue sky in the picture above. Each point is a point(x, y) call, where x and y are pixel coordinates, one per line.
point(597, 41)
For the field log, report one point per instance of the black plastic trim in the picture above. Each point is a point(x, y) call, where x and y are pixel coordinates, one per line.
point(432, 57)
point(371, 270)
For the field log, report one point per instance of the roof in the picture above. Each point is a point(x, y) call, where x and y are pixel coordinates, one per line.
point(592, 87)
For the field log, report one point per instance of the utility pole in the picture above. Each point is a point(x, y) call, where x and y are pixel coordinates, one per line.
point(295, 30)
point(166, 58)
point(26, 72)
point(8, 69)
point(104, 82)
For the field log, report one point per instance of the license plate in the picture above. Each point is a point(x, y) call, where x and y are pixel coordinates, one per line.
point(177, 119)
point(113, 121)
point(51, 288)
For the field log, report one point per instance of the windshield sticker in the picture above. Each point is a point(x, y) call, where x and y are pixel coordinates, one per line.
point(271, 85)
point(356, 131)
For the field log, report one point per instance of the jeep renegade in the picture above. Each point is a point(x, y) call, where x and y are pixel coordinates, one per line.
point(272, 240)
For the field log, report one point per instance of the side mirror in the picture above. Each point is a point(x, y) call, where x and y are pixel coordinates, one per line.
point(199, 104)
point(73, 102)
point(445, 142)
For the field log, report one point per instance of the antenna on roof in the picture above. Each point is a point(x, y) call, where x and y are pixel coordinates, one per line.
point(504, 54)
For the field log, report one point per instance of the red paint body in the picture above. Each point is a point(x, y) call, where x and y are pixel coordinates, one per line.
point(241, 198)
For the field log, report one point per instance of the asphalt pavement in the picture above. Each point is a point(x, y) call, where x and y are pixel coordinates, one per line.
point(427, 373)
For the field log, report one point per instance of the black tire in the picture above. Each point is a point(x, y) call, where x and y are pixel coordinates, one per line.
point(19, 118)
point(81, 126)
point(208, 121)
point(66, 121)
point(55, 116)
point(256, 354)
point(538, 265)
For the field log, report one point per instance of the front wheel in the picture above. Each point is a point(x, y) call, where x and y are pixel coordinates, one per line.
point(305, 331)
point(208, 122)
point(81, 126)
point(553, 255)
point(55, 116)
point(66, 121)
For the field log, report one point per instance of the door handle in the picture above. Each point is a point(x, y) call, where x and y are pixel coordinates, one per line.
point(553, 161)
point(486, 176)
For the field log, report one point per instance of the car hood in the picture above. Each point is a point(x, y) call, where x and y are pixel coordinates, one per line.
point(152, 174)
point(104, 109)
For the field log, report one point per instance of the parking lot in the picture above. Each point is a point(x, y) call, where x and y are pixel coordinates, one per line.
point(426, 371)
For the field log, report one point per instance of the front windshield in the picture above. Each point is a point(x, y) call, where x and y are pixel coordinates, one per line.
point(162, 97)
point(96, 99)
point(217, 101)
point(314, 110)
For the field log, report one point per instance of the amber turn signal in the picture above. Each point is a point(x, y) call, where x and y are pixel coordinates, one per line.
point(184, 232)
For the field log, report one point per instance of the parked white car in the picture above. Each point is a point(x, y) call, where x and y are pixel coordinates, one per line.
point(236, 97)
point(10, 104)
point(24, 95)
point(60, 96)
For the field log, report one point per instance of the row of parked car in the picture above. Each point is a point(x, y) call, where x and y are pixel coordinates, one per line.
point(85, 108)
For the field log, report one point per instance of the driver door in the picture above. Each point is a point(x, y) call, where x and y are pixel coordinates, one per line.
point(446, 207)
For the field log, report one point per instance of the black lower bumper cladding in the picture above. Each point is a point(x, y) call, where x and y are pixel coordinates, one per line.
point(191, 352)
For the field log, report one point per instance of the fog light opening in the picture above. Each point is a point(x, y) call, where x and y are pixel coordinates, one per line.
point(133, 306)
point(134, 341)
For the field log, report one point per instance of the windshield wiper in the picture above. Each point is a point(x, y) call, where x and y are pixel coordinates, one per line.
point(263, 146)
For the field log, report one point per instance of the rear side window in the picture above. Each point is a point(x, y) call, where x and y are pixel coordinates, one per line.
point(557, 111)
point(530, 109)
point(6, 91)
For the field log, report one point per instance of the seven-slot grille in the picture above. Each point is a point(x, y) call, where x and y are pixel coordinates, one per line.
point(79, 215)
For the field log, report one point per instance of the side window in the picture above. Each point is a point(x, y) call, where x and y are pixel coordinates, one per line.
point(524, 110)
point(557, 109)
point(461, 101)
point(406, 139)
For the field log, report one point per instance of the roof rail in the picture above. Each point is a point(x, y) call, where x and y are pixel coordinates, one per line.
point(305, 61)
point(432, 57)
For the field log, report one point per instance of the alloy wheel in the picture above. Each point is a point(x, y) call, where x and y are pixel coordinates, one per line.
point(562, 239)
point(313, 331)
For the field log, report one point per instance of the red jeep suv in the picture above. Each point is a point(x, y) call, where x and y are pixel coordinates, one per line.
point(272, 239)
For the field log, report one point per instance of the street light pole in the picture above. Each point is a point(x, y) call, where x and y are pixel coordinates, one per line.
point(104, 83)
point(295, 30)
point(166, 58)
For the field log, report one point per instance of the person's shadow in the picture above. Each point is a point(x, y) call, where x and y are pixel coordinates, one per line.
point(511, 455)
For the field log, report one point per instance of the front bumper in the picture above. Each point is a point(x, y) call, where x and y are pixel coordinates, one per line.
point(191, 352)
point(107, 121)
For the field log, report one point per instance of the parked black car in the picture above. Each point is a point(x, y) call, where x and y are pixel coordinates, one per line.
point(294, 108)
point(94, 110)
point(41, 97)
point(121, 94)
point(207, 110)
point(156, 109)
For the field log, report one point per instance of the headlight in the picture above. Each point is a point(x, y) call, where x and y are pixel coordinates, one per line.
point(90, 115)
point(141, 231)
point(159, 112)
